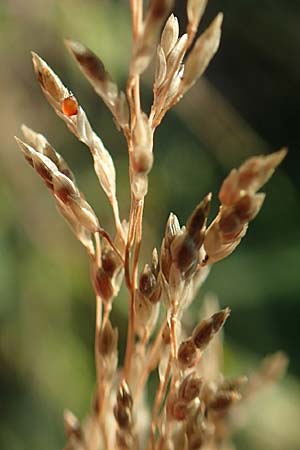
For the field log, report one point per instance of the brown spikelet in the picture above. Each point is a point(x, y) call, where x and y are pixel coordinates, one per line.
point(223, 400)
point(187, 353)
point(190, 388)
point(90, 64)
point(207, 328)
point(107, 339)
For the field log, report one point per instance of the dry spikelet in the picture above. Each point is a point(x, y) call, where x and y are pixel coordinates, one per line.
point(54, 89)
point(80, 126)
point(94, 70)
point(240, 204)
point(155, 15)
point(147, 282)
point(202, 53)
point(175, 56)
point(223, 400)
point(173, 89)
point(169, 35)
point(142, 137)
point(46, 169)
point(89, 63)
point(108, 340)
point(207, 328)
point(161, 67)
point(184, 249)
point(188, 354)
point(146, 314)
point(103, 285)
point(250, 177)
point(125, 435)
point(190, 388)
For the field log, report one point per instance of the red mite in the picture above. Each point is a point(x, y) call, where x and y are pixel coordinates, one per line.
point(69, 106)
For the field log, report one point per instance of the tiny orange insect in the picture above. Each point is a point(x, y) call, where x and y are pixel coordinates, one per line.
point(69, 106)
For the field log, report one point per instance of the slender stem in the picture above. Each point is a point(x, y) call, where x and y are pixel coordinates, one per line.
point(98, 249)
point(130, 237)
point(136, 208)
point(133, 281)
point(101, 390)
point(133, 85)
point(97, 261)
point(151, 358)
point(97, 328)
point(130, 336)
point(127, 267)
point(157, 403)
point(102, 425)
point(118, 224)
point(101, 387)
point(173, 322)
point(136, 96)
point(139, 230)
point(134, 12)
point(106, 313)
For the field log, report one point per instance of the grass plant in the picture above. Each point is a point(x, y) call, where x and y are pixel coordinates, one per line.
point(194, 406)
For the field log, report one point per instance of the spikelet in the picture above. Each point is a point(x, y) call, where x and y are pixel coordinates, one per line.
point(239, 204)
point(202, 53)
point(94, 70)
point(79, 125)
point(145, 46)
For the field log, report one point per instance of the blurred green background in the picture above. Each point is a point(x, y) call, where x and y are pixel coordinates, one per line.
point(249, 102)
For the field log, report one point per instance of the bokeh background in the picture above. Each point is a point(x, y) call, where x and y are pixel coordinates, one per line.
point(248, 103)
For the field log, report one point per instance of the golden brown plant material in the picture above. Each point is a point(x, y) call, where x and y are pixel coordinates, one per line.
point(192, 402)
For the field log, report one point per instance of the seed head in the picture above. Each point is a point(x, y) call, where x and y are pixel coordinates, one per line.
point(248, 206)
point(201, 54)
point(124, 396)
point(107, 341)
point(190, 388)
point(207, 328)
point(90, 64)
point(48, 80)
point(223, 400)
point(103, 285)
point(188, 354)
point(123, 416)
point(169, 35)
point(184, 252)
point(196, 223)
point(64, 188)
point(147, 281)
point(110, 261)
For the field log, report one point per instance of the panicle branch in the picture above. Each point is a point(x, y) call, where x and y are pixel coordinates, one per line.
point(240, 203)
point(56, 94)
